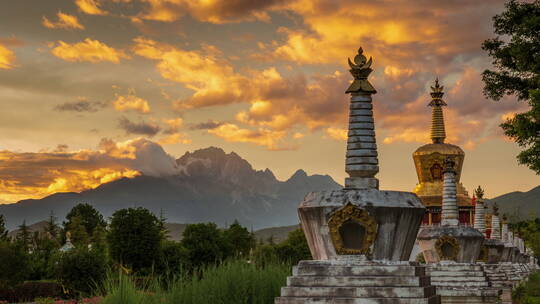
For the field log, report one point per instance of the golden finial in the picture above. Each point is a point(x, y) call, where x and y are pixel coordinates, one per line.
point(438, 133)
point(360, 69)
point(479, 192)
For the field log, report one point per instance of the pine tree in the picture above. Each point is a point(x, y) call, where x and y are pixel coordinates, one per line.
point(52, 227)
point(24, 237)
point(3, 230)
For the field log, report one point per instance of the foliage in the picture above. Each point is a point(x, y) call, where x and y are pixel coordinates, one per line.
point(88, 216)
point(517, 72)
point(240, 239)
point(291, 250)
point(81, 270)
point(3, 229)
point(529, 231)
point(77, 231)
point(52, 228)
point(174, 258)
point(14, 267)
point(205, 244)
point(134, 238)
point(42, 257)
point(528, 292)
point(28, 291)
point(231, 282)
point(23, 239)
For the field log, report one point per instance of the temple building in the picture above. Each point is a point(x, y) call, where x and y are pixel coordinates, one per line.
point(429, 160)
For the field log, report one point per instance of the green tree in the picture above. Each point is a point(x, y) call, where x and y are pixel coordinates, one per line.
point(204, 243)
point(3, 229)
point(24, 237)
point(294, 248)
point(240, 239)
point(517, 72)
point(134, 238)
point(90, 218)
point(52, 229)
point(78, 232)
point(14, 267)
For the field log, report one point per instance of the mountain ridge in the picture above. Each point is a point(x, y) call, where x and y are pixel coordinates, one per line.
point(211, 186)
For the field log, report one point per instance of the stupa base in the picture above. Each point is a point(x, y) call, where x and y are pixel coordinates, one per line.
point(351, 280)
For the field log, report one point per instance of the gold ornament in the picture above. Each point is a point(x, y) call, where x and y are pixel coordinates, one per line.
point(349, 216)
point(444, 243)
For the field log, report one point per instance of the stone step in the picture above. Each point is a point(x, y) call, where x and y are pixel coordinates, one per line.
point(355, 281)
point(358, 292)
point(456, 267)
point(314, 300)
point(459, 284)
point(468, 292)
point(360, 270)
point(455, 274)
point(458, 279)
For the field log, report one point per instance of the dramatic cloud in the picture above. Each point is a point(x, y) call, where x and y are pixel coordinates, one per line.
point(63, 171)
point(90, 7)
point(262, 137)
point(65, 21)
point(89, 50)
point(81, 105)
point(131, 103)
point(337, 134)
point(7, 57)
point(139, 128)
point(176, 138)
point(208, 11)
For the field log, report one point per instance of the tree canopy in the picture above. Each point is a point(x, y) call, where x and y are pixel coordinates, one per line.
point(516, 59)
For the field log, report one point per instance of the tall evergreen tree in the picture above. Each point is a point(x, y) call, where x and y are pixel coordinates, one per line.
point(52, 227)
point(515, 53)
point(3, 229)
point(24, 237)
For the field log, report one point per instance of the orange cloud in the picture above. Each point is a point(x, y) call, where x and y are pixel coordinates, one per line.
point(213, 11)
point(89, 50)
point(65, 21)
point(176, 138)
point(336, 133)
point(262, 137)
point(63, 171)
point(131, 103)
point(7, 57)
point(173, 125)
point(90, 7)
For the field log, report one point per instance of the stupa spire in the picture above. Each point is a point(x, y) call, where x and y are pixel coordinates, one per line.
point(438, 133)
point(495, 224)
point(449, 216)
point(361, 162)
point(479, 211)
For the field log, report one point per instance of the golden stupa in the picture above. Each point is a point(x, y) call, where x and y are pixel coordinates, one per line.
point(429, 159)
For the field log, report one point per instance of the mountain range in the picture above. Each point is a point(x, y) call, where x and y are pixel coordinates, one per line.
point(212, 187)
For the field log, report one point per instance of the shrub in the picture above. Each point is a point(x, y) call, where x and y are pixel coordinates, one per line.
point(14, 267)
point(81, 270)
point(30, 290)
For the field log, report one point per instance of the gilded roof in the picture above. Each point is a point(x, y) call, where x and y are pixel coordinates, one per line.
point(445, 149)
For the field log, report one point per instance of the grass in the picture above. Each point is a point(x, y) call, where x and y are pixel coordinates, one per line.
point(233, 282)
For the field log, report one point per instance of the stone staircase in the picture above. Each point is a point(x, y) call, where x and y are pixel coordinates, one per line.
point(358, 282)
point(462, 283)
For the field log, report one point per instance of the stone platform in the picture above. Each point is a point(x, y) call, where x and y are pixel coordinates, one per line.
point(353, 281)
point(497, 276)
point(462, 283)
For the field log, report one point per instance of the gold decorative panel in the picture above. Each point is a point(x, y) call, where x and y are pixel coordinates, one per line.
point(447, 248)
point(352, 229)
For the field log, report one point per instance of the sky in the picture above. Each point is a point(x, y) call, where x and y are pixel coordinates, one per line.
point(96, 90)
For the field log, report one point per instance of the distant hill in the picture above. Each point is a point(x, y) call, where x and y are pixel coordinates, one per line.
point(519, 205)
point(39, 227)
point(277, 233)
point(212, 187)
